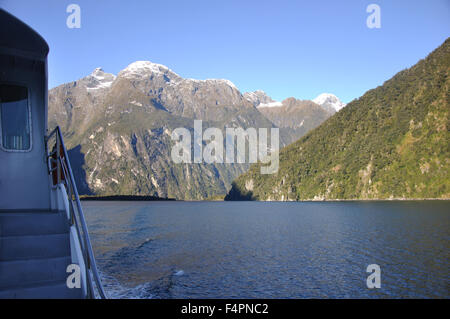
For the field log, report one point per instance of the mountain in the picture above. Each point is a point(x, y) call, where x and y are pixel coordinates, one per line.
point(295, 116)
point(258, 97)
point(393, 142)
point(329, 101)
point(118, 129)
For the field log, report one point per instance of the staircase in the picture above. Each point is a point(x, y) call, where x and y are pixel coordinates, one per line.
point(34, 254)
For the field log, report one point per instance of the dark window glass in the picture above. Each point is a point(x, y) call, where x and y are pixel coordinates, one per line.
point(15, 117)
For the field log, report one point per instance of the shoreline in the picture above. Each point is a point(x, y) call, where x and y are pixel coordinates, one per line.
point(125, 198)
point(154, 198)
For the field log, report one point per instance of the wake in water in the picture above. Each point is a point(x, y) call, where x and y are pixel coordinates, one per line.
point(179, 273)
point(116, 290)
point(158, 289)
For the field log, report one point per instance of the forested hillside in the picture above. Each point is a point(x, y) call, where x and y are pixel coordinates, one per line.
point(393, 142)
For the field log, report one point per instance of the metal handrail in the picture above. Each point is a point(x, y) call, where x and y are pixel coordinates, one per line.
point(74, 221)
point(63, 166)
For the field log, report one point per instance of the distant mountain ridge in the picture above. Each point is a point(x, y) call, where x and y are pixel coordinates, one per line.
point(119, 127)
point(299, 116)
point(391, 143)
point(295, 116)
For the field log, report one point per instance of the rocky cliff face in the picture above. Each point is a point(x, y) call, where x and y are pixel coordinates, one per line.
point(119, 129)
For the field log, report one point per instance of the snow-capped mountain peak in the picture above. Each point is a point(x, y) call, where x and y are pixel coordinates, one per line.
point(98, 79)
point(98, 71)
point(329, 100)
point(143, 68)
point(259, 98)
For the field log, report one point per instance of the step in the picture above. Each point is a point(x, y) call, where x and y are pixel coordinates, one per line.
point(49, 290)
point(33, 247)
point(33, 223)
point(19, 273)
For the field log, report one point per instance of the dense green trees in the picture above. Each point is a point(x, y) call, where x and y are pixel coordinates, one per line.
point(393, 142)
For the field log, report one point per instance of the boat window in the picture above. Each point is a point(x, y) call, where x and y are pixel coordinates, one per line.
point(15, 118)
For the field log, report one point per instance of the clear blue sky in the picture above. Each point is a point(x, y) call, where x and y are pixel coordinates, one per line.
point(286, 48)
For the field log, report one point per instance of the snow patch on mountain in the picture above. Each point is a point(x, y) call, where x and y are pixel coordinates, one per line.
point(258, 97)
point(329, 100)
point(140, 69)
point(271, 104)
point(98, 79)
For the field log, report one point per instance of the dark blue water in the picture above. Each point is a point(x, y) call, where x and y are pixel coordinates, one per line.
point(271, 250)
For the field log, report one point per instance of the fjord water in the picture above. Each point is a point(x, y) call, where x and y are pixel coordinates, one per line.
point(271, 250)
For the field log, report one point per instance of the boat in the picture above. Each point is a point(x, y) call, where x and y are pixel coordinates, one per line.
point(45, 249)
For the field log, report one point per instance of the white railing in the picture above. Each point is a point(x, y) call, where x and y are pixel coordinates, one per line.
point(61, 171)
